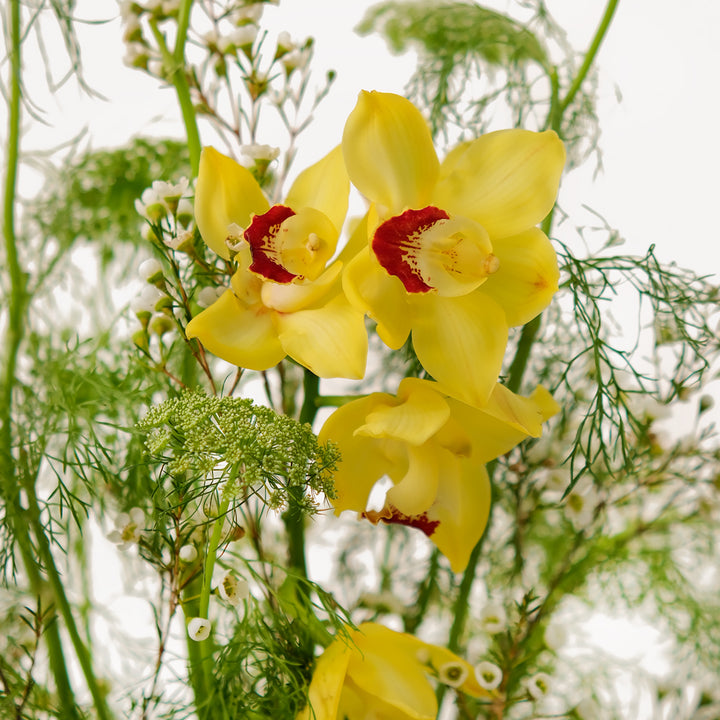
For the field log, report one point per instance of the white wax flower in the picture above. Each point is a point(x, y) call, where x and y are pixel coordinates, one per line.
point(453, 674)
point(198, 629)
point(233, 589)
point(488, 675)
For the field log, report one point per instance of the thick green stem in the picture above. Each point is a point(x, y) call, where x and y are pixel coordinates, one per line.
point(293, 517)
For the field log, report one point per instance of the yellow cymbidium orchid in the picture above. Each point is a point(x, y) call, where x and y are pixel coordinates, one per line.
point(454, 255)
point(434, 449)
point(378, 674)
point(284, 298)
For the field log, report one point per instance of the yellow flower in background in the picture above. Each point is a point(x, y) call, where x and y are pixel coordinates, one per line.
point(284, 297)
point(378, 674)
point(434, 449)
point(454, 255)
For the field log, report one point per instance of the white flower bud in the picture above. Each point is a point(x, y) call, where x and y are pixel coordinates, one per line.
point(188, 553)
point(263, 153)
point(208, 295)
point(198, 629)
point(150, 270)
point(150, 300)
point(243, 36)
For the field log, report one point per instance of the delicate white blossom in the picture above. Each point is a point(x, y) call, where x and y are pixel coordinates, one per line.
point(488, 675)
point(493, 618)
point(198, 629)
point(233, 589)
point(538, 685)
point(129, 528)
point(453, 674)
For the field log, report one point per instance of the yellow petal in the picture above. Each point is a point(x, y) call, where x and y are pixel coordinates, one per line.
point(389, 152)
point(461, 508)
point(527, 277)
point(331, 340)
point(421, 412)
point(323, 186)
point(386, 667)
point(244, 336)
point(506, 180)
point(225, 193)
point(363, 461)
point(505, 421)
point(327, 682)
point(417, 490)
point(379, 295)
point(291, 297)
point(461, 342)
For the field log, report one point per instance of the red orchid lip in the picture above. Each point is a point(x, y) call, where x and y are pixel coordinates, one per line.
point(262, 237)
point(397, 242)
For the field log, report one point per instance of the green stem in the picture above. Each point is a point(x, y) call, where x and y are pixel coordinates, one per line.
point(61, 601)
point(293, 517)
point(590, 54)
point(16, 304)
point(198, 670)
point(175, 61)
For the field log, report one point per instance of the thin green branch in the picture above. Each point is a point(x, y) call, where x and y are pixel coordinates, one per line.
point(590, 55)
point(56, 583)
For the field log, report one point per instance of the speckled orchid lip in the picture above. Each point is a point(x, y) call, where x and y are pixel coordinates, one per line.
point(392, 516)
point(428, 250)
point(262, 235)
point(397, 244)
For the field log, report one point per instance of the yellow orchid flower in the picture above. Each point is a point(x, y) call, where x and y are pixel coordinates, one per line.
point(374, 673)
point(434, 449)
point(284, 299)
point(454, 255)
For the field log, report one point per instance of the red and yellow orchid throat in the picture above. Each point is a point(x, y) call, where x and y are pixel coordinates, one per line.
point(428, 250)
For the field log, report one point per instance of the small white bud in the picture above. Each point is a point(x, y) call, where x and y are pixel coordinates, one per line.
point(188, 553)
point(150, 270)
point(198, 629)
point(208, 295)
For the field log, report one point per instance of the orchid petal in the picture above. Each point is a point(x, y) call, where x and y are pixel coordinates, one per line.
point(505, 421)
point(416, 492)
point(363, 461)
point(421, 412)
point(244, 336)
point(330, 341)
point(291, 297)
point(505, 180)
point(461, 342)
point(323, 186)
point(327, 682)
point(387, 668)
point(389, 151)
point(226, 193)
point(381, 296)
point(527, 277)
point(462, 508)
